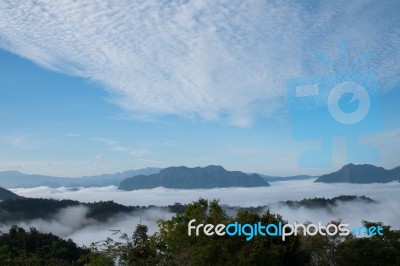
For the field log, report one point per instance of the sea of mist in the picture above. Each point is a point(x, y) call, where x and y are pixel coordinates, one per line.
point(73, 223)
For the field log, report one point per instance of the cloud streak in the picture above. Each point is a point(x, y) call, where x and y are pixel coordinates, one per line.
point(23, 141)
point(114, 146)
point(212, 60)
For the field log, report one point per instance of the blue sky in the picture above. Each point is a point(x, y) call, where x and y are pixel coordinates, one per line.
point(99, 88)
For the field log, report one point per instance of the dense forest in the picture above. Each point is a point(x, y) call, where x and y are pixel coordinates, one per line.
point(20, 247)
point(172, 245)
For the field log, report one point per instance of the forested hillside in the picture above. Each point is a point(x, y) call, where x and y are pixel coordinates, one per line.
point(172, 245)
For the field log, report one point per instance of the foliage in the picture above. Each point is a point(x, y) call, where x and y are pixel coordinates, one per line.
point(135, 250)
point(374, 250)
point(351, 250)
point(19, 247)
point(172, 245)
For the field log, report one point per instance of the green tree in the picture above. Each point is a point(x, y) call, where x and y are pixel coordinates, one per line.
point(373, 250)
point(20, 247)
point(352, 250)
point(135, 250)
point(178, 248)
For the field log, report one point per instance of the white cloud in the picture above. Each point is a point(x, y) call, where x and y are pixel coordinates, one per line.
point(99, 161)
point(72, 222)
point(200, 59)
point(114, 146)
point(23, 141)
point(73, 135)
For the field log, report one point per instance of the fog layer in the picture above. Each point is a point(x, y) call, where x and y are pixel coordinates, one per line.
point(72, 222)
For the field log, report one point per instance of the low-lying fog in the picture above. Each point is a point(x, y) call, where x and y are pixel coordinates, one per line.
point(72, 223)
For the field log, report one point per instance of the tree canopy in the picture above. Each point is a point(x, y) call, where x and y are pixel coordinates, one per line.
point(172, 245)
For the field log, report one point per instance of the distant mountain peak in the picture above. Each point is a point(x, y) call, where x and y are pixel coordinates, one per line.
point(360, 173)
point(212, 176)
point(219, 167)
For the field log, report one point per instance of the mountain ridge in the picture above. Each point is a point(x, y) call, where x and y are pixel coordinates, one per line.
point(14, 179)
point(183, 177)
point(5, 194)
point(361, 174)
point(350, 173)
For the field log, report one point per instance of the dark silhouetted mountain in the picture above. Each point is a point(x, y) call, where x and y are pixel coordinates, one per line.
point(361, 174)
point(13, 179)
point(191, 178)
point(6, 194)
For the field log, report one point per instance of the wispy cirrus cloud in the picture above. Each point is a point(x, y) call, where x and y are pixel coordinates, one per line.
point(213, 60)
point(23, 141)
point(114, 146)
point(99, 161)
